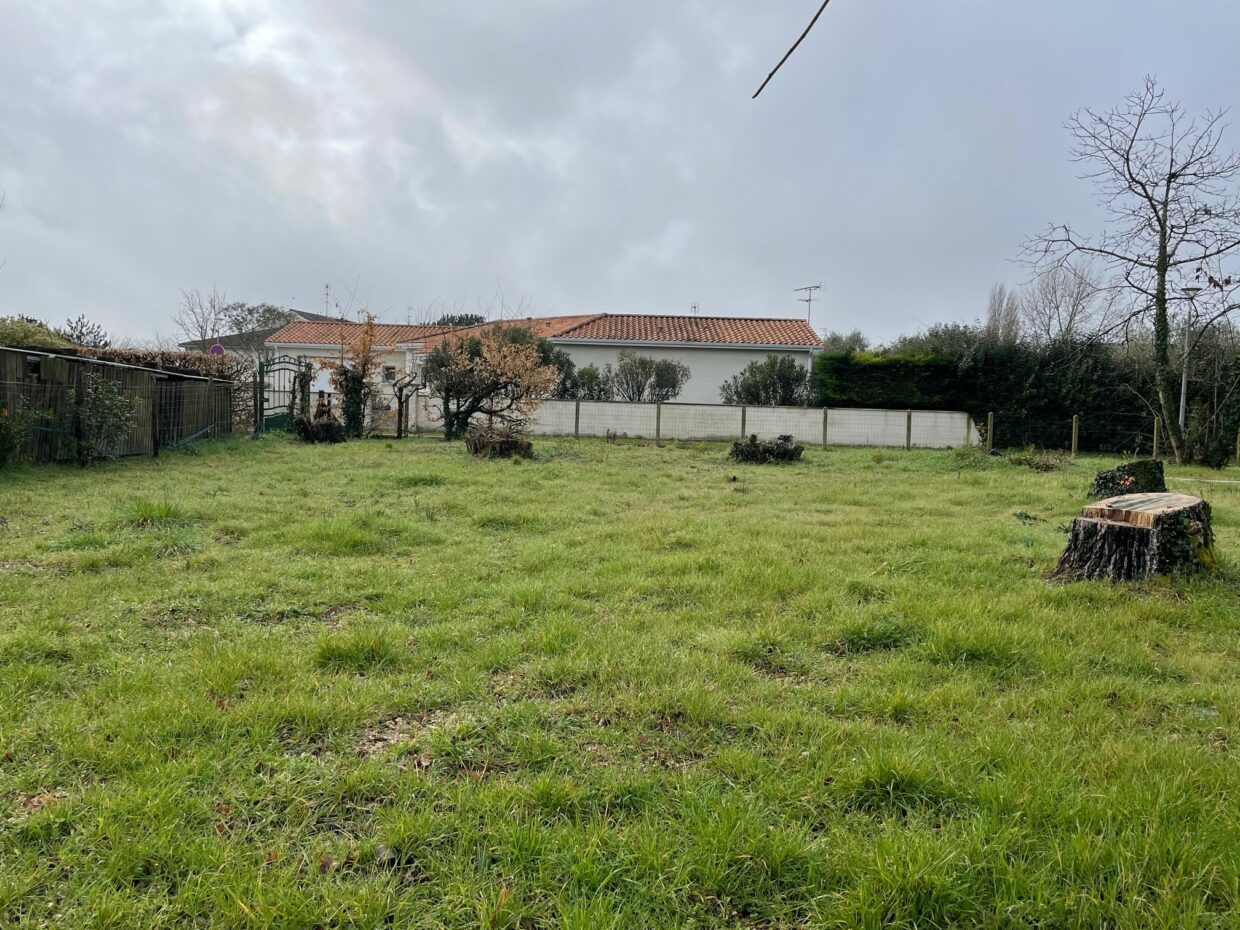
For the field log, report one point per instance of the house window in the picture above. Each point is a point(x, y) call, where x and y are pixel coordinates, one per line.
point(389, 373)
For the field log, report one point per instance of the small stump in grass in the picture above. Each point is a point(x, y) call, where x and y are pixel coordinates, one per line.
point(1137, 536)
point(1142, 477)
point(498, 443)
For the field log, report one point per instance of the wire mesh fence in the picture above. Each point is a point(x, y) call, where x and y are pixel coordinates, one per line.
point(1122, 434)
point(45, 419)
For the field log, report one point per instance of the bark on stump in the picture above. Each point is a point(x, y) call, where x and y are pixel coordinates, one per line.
point(1137, 536)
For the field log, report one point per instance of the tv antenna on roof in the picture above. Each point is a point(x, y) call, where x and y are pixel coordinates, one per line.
point(808, 299)
point(694, 308)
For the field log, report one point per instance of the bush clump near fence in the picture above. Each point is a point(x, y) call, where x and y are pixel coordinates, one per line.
point(498, 442)
point(759, 452)
point(322, 429)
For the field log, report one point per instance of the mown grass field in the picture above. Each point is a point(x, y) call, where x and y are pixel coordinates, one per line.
point(383, 684)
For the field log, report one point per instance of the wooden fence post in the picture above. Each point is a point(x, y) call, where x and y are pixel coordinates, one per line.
point(1157, 435)
point(658, 422)
point(744, 413)
point(824, 427)
point(577, 420)
point(990, 431)
point(1076, 433)
point(1238, 447)
point(908, 431)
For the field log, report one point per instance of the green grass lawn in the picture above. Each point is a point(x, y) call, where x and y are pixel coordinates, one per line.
point(384, 684)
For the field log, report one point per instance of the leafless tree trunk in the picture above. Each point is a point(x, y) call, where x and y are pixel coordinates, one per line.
point(1169, 190)
point(201, 316)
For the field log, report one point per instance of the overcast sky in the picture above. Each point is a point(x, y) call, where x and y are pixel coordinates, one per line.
point(586, 155)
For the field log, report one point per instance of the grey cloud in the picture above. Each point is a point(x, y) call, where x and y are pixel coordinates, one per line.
point(589, 155)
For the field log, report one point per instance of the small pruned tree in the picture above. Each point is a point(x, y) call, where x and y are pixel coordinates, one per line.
point(642, 379)
point(593, 384)
point(403, 388)
point(354, 375)
point(1170, 194)
point(500, 374)
point(777, 381)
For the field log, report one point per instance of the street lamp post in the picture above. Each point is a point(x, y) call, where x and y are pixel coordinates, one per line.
point(1190, 291)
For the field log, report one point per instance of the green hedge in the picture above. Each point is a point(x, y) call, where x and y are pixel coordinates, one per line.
point(866, 379)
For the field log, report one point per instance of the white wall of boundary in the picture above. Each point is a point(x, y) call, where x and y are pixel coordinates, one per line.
point(834, 426)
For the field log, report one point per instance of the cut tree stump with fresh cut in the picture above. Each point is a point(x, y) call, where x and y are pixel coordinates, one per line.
point(1137, 536)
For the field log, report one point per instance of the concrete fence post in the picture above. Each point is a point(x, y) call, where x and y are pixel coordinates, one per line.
point(908, 431)
point(658, 422)
point(990, 431)
point(824, 427)
point(417, 407)
point(744, 413)
point(577, 420)
point(1076, 433)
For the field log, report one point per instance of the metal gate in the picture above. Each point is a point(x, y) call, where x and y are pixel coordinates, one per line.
point(281, 392)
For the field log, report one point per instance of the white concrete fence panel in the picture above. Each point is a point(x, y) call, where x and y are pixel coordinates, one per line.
point(834, 426)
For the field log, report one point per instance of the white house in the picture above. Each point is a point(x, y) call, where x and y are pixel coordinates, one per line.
point(713, 348)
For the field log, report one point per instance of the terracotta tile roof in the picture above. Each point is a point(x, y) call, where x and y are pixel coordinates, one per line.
point(545, 327)
point(716, 330)
point(333, 334)
point(607, 327)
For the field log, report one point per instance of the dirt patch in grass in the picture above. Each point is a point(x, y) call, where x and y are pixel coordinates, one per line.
point(404, 730)
point(32, 803)
point(26, 567)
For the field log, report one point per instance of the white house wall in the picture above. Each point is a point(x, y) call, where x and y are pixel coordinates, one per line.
point(709, 367)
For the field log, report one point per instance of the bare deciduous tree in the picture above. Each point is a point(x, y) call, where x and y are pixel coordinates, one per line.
point(1169, 191)
point(1067, 302)
point(201, 317)
point(1003, 315)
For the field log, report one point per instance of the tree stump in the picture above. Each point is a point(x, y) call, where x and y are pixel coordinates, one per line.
point(1137, 536)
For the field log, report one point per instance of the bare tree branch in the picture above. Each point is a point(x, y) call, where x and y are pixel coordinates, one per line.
point(788, 54)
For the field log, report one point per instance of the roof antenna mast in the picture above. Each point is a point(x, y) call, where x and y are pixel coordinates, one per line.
point(808, 299)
